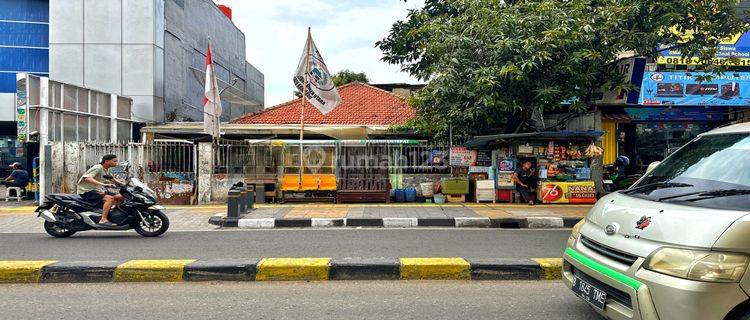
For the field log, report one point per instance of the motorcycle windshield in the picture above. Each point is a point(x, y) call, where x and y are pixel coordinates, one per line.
point(146, 190)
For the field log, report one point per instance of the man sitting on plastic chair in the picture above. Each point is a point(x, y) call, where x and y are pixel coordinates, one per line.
point(18, 178)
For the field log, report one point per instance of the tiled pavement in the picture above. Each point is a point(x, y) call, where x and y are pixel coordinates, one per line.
point(416, 211)
point(22, 219)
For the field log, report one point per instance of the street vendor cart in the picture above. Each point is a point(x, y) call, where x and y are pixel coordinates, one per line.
point(561, 162)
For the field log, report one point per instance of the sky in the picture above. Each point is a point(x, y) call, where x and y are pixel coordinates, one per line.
point(345, 32)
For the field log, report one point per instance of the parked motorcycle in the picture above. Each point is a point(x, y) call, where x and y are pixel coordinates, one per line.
point(613, 181)
point(66, 214)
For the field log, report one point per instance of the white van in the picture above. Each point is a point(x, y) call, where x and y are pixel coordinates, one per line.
point(676, 245)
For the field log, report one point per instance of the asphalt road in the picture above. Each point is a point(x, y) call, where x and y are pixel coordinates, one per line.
point(296, 300)
point(335, 243)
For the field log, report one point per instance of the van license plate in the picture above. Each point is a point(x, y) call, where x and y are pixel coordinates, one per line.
point(590, 294)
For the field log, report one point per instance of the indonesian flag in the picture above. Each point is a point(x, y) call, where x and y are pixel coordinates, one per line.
point(313, 73)
point(211, 99)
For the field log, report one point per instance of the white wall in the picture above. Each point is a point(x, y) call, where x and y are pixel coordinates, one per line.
point(7, 107)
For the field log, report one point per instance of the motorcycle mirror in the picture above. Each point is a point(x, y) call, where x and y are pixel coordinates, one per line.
point(652, 165)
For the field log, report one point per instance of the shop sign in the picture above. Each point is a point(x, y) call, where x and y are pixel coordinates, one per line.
point(568, 192)
point(737, 47)
point(684, 89)
point(462, 157)
point(676, 114)
point(630, 69)
point(22, 111)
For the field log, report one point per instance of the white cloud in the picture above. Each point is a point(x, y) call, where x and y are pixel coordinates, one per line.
point(345, 32)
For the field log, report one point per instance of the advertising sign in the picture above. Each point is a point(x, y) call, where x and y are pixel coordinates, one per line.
point(676, 114)
point(684, 89)
point(737, 47)
point(22, 110)
point(462, 157)
point(632, 69)
point(567, 192)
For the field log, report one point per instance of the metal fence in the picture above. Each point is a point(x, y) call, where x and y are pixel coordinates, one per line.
point(252, 160)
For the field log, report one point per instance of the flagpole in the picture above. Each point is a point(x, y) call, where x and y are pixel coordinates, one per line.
point(302, 105)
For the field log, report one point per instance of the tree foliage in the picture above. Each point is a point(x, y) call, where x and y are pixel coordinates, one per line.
point(347, 76)
point(491, 64)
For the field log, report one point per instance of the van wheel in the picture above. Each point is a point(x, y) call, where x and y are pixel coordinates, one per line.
point(57, 231)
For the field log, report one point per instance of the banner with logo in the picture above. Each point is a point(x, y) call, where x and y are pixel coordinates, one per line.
point(462, 157)
point(567, 192)
point(683, 89)
point(22, 109)
point(321, 91)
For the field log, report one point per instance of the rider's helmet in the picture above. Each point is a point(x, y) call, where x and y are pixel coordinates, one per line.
point(623, 161)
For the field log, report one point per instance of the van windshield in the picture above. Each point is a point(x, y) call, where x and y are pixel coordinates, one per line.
point(712, 171)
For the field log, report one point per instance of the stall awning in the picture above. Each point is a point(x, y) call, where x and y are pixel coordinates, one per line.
point(480, 142)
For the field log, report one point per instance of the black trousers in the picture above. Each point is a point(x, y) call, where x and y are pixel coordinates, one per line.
point(524, 192)
point(12, 184)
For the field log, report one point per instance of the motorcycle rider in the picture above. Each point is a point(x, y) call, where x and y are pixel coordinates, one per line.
point(91, 188)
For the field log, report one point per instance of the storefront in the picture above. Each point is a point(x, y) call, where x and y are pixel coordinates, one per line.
point(675, 107)
point(561, 162)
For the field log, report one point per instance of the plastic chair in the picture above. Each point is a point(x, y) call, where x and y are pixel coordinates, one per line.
point(309, 182)
point(290, 182)
point(19, 193)
point(327, 182)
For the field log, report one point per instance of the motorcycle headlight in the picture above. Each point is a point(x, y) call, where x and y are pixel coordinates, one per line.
point(698, 265)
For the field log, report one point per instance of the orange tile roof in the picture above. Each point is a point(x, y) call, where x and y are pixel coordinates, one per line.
point(361, 104)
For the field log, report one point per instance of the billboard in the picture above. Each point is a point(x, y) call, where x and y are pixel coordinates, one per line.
point(736, 47)
point(632, 69)
point(684, 89)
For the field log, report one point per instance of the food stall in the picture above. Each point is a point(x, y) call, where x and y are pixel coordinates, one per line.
point(561, 161)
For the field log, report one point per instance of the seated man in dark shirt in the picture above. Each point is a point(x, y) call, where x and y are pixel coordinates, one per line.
point(524, 180)
point(18, 178)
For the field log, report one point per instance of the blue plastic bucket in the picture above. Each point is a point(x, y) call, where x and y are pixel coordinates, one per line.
point(411, 194)
point(400, 195)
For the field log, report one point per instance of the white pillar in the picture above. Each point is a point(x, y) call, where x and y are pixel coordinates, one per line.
point(43, 135)
point(113, 118)
point(205, 171)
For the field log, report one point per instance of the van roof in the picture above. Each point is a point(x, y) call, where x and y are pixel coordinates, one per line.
point(735, 128)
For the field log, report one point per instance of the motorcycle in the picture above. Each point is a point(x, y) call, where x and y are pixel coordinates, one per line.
point(66, 214)
point(613, 181)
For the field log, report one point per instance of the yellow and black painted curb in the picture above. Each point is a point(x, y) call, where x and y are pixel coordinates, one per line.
point(280, 269)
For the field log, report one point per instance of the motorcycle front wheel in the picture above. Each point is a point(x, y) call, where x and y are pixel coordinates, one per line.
point(57, 231)
point(154, 224)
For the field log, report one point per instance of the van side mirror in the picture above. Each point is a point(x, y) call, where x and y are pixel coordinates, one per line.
point(651, 166)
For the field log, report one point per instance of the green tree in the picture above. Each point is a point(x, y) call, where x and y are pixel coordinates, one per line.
point(492, 64)
point(347, 76)
point(343, 77)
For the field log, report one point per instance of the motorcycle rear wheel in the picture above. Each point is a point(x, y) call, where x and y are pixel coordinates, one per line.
point(155, 225)
point(57, 231)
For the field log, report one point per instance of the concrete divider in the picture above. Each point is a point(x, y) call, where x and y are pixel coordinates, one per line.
point(280, 269)
point(402, 222)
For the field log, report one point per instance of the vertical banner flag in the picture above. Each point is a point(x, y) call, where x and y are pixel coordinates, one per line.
point(211, 99)
point(321, 91)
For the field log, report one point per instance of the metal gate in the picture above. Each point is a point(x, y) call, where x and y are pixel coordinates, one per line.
point(167, 166)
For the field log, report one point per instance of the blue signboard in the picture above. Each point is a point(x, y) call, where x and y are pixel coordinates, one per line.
point(676, 114)
point(683, 89)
